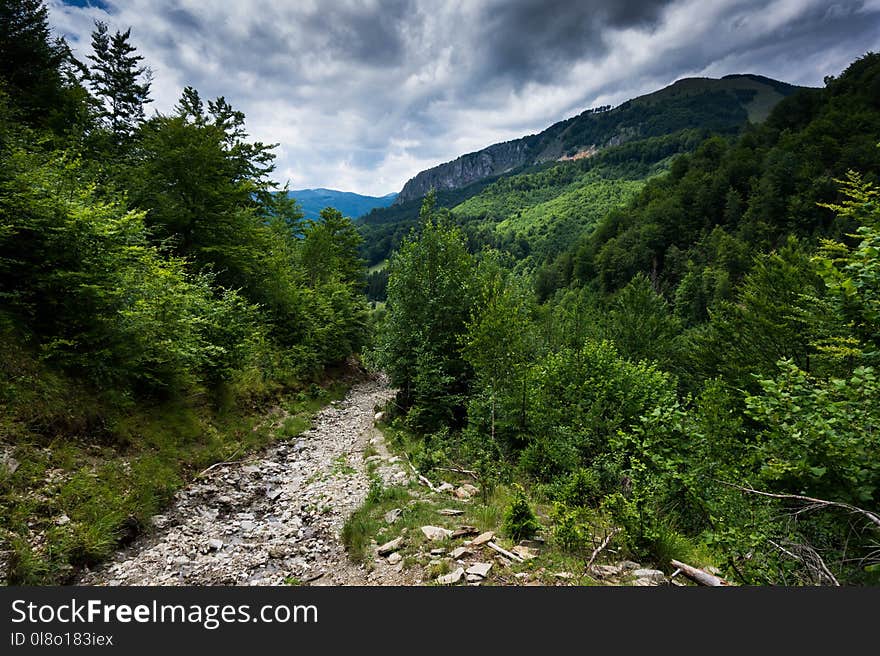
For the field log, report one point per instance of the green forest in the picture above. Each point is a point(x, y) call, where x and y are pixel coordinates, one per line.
point(156, 290)
point(699, 370)
point(674, 342)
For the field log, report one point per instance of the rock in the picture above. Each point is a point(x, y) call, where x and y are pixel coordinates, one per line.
point(278, 551)
point(445, 487)
point(392, 515)
point(390, 547)
point(452, 578)
point(563, 575)
point(480, 569)
point(180, 560)
point(462, 531)
point(461, 493)
point(459, 552)
point(521, 575)
point(274, 494)
point(247, 525)
point(436, 532)
point(652, 574)
point(470, 489)
point(7, 462)
point(372, 459)
point(626, 565)
point(214, 544)
point(474, 578)
point(63, 520)
point(482, 538)
point(450, 512)
point(606, 571)
point(438, 552)
point(524, 552)
point(644, 582)
point(394, 558)
point(379, 416)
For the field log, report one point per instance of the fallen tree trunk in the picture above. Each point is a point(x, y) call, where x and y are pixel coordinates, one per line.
point(699, 576)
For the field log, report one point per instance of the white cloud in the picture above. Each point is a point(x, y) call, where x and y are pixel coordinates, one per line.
point(362, 96)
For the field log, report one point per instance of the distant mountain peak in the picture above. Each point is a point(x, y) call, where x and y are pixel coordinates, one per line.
point(353, 205)
point(722, 105)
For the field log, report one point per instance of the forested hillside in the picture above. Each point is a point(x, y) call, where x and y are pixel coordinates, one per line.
point(696, 378)
point(571, 174)
point(155, 290)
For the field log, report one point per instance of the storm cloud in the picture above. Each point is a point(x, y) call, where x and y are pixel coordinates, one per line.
point(361, 96)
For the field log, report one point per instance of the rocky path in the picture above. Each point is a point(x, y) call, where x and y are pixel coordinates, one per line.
point(275, 517)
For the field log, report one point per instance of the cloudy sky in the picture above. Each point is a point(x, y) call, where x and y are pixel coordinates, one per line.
point(361, 96)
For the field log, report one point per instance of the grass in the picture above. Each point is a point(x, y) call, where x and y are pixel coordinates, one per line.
point(366, 527)
point(75, 499)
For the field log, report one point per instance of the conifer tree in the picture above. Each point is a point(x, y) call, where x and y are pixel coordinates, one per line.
point(120, 83)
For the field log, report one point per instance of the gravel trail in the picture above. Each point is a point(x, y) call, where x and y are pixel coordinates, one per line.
point(275, 517)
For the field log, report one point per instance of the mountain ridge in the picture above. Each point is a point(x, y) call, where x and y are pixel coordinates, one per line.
point(351, 204)
point(722, 104)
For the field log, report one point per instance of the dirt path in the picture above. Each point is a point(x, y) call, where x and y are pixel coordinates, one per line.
point(276, 517)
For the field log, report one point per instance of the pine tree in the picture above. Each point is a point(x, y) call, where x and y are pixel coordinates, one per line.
point(32, 64)
point(120, 83)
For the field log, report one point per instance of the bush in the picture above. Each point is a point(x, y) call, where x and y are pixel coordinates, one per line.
point(519, 519)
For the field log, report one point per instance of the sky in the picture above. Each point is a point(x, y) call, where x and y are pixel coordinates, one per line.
point(361, 96)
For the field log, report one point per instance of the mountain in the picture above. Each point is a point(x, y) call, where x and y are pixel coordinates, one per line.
point(721, 105)
point(350, 204)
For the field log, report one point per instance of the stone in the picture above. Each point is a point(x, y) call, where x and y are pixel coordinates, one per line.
point(445, 487)
point(379, 416)
point(606, 571)
point(390, 547)
point(63, 520)
point(247, 525)
point(274, 494)
point(470, 489)
point(646, 582)
point(394, 558)
point(438, 552)
point(652, 574)
point(7, 462)
point(452, 578)
point(462, 531)
point(564, 575)
point(626, 565)
point(524, 552)
point(436, 532)
point(450, 512)
point(278, 551)
point(214, 544)
point(459, 552)
point(392, 515)
point(474, 578)
point(461, 493)
point(482, 538)
point(373, 459)
point(480, 569)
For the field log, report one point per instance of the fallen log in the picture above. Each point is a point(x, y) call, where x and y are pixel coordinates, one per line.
point(699, 576)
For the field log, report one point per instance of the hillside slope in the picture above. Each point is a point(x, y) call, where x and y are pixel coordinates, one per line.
point(720, 105)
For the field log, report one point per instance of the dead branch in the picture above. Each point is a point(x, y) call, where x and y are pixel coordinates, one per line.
point(815, 503)
point(504, 552)
point(422, 479)
point(699, 576)
point(602, 546)
point(218, 464)
point(811, 560)
point(459, 470)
